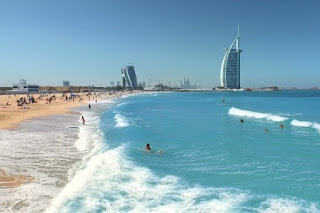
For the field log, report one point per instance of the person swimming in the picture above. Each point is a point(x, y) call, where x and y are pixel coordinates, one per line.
point(148, 147)
point(281, 126)
point(241, 121)
point(266, 130)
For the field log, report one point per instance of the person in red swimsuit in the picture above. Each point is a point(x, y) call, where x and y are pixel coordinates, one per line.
point(148, 147)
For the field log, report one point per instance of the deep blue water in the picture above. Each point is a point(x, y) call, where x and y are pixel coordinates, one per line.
point(210, 161)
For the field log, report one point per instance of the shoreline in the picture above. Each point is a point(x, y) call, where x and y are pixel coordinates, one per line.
point(12, 115)
point(37, 110)
point(20, 170)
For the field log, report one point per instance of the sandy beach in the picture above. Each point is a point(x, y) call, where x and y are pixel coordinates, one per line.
point(13, 114)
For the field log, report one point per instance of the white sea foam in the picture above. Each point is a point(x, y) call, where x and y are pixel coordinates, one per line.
point(121, 104)
point(275, 205)
point(43, 149)
point(257, 115)
point(301, 123)
point(121, 121)
point(316, 126)
point(87, 133)
point(102, 102)
point(110, 182)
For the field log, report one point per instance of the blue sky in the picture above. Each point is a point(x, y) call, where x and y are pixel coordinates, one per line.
point(88, 42)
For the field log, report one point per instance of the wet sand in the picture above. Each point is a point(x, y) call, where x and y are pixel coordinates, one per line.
point(9, 181)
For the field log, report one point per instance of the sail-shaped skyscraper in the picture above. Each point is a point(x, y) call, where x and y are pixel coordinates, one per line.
point(230, 67)
point(129, 77)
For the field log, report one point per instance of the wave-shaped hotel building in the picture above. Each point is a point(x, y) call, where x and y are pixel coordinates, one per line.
point(129, 78)
point(230, 67)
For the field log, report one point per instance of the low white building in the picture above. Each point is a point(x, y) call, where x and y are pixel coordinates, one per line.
point(22, 86)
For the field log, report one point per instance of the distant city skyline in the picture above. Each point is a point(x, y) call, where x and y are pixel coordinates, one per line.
point(46, 42)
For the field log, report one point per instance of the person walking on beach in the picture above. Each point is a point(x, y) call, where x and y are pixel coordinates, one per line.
point(83, 121)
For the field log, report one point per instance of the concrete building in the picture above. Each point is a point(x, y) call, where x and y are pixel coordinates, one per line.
point(129, 78)
point(230, 67)
point(23, 87)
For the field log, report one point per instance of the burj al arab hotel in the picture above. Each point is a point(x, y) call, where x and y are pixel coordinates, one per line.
point(230, 67)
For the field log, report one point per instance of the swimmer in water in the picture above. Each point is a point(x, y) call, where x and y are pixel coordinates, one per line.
point(281, 126)
point(241, 121)
point(266, 130)
point(223, 100)
point(148, 147)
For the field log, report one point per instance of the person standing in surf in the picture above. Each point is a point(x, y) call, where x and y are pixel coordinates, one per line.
point(83, 121)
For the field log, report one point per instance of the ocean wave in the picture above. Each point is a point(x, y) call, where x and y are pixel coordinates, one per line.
point(316, 126)
point(313, 125)
point(122, 121)
point(301, 123)
point(258, 115)
point(110, 182)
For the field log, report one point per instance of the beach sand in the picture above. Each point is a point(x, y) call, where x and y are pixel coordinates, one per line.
point(9, 181)
point(12, 115)
point(38, 153)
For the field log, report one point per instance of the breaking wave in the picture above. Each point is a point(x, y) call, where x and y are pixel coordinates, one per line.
point(258, 115)
point(121, 121)
point(301, 123)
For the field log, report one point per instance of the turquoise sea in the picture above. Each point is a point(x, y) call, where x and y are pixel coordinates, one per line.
point(210, 161)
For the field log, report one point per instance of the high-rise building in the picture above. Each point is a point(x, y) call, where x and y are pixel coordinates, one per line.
point(230, 67)
point(66, 83)
point(129, 78)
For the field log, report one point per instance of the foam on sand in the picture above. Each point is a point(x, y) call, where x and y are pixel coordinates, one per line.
point(258, 115)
